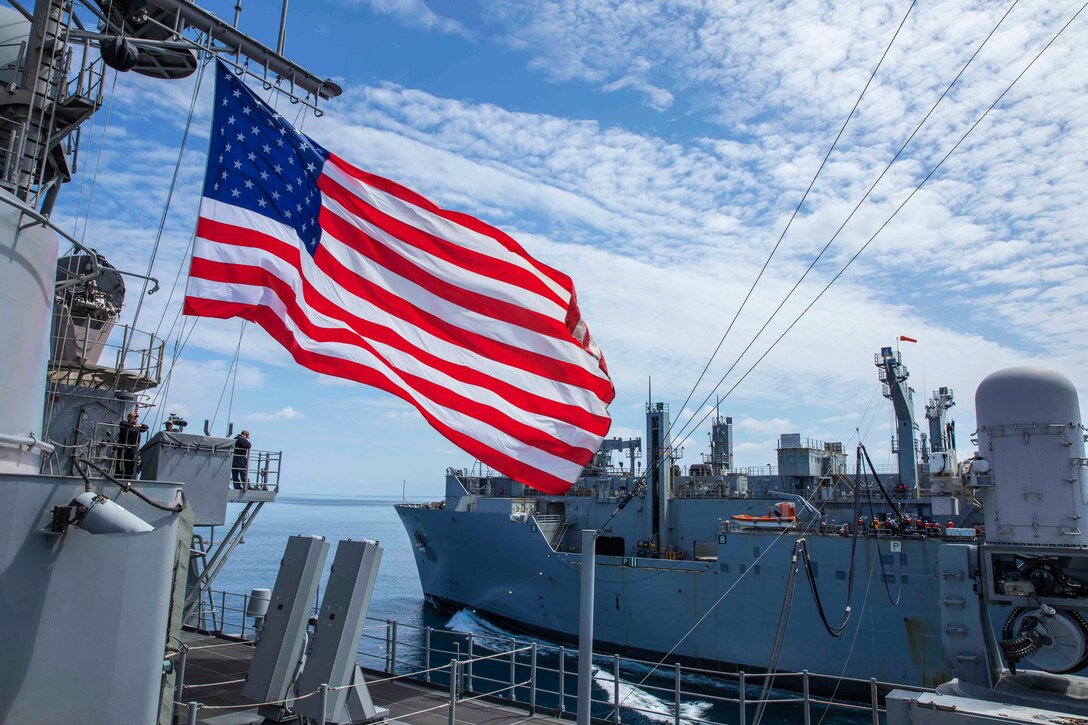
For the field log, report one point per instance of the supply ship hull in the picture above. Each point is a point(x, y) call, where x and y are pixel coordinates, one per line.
point(696, 564)
point(495, 555)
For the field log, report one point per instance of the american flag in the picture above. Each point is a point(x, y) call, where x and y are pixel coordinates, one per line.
point(361, 278)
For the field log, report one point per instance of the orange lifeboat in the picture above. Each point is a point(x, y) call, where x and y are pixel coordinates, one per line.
point(780, 516)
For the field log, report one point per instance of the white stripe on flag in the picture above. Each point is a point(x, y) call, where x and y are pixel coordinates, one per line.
point(490, 436)
point(435, 224)
point(408, 291)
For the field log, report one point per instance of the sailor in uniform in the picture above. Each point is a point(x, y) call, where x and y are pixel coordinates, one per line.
point(240, 465)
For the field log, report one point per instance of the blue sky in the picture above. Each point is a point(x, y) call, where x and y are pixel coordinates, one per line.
point(655, 151)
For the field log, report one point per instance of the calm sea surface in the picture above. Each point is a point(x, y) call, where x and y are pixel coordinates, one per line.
point(398, 596)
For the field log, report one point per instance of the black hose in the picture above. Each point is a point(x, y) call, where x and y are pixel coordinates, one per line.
point(126, 486)
point(887, 497)
point(837, 631)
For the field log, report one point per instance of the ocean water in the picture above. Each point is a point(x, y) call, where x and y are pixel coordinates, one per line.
point(398, 597)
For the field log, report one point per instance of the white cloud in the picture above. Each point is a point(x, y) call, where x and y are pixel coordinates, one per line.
point(285, 413)
point(416, 14)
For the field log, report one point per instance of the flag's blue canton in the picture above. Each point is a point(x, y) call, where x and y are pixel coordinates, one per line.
point(258, 161)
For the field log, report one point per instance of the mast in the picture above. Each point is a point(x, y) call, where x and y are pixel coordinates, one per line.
point(721, 445)
point(659, 470)
point(942, 433)
point(893, 374)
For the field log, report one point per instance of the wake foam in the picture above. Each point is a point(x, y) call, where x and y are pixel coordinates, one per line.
point(649, 705)
point(488, 635)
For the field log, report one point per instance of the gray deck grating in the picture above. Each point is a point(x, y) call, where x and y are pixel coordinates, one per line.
point(211, 661)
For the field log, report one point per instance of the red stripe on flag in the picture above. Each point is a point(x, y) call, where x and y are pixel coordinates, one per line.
point(369, 331)
point(443, 396)
point(360, 242)
point(468, 222)
point(527, 360)
point(338, 367)
point(436, 246)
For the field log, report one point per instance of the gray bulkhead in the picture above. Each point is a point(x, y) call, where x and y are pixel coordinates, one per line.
point(85, 615)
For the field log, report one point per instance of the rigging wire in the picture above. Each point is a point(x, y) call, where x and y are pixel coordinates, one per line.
point(163, 390)
point(828, 285)
point(853, 641)
point(719, 600)
point(98, 159)
point(170, 336)
point(864, 415)
point(869, 428)
point(858, 205)
point(173, 288)
point(793, 216)
point(780, 634)
point(169, 198)
point(83, 179)
point(892, 216)
point(234, 382)
point(232, 369)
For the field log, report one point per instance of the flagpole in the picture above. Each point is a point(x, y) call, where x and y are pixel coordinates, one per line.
point(585, 627)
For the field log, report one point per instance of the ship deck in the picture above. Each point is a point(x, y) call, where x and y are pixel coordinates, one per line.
point(215, 670)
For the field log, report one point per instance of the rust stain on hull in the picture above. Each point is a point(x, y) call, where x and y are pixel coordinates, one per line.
point(924, 641)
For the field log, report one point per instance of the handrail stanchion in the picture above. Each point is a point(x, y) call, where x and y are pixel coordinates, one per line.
point(179, 681)
point(471, 683)
point(393, 650)
point(324, 689)
point(808, 701)
point(513, 669)
point(875, 695)
point(562, 680)
point(427, 654)
point(453, 691)
point(388, 645)
point(616, 688)
point(585, 627)
point(741, 702)
point(676, 684)
point(191, 715)
point(532, 678)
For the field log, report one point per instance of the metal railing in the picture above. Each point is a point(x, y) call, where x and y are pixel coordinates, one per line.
point(263, 470)
point(756, 471)
point(104, 449)
point(539, 675)
point(223, 613)
point(137, 354)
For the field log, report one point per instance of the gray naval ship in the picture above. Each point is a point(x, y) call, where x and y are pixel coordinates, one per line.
point(698, 565)
point(102, 574)
point(109, 548)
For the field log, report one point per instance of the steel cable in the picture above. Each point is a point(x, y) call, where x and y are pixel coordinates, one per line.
point(854, 211)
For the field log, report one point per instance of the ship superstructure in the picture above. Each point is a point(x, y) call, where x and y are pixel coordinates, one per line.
point(111, 544)
point(1012, 609)
point(715, 541)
